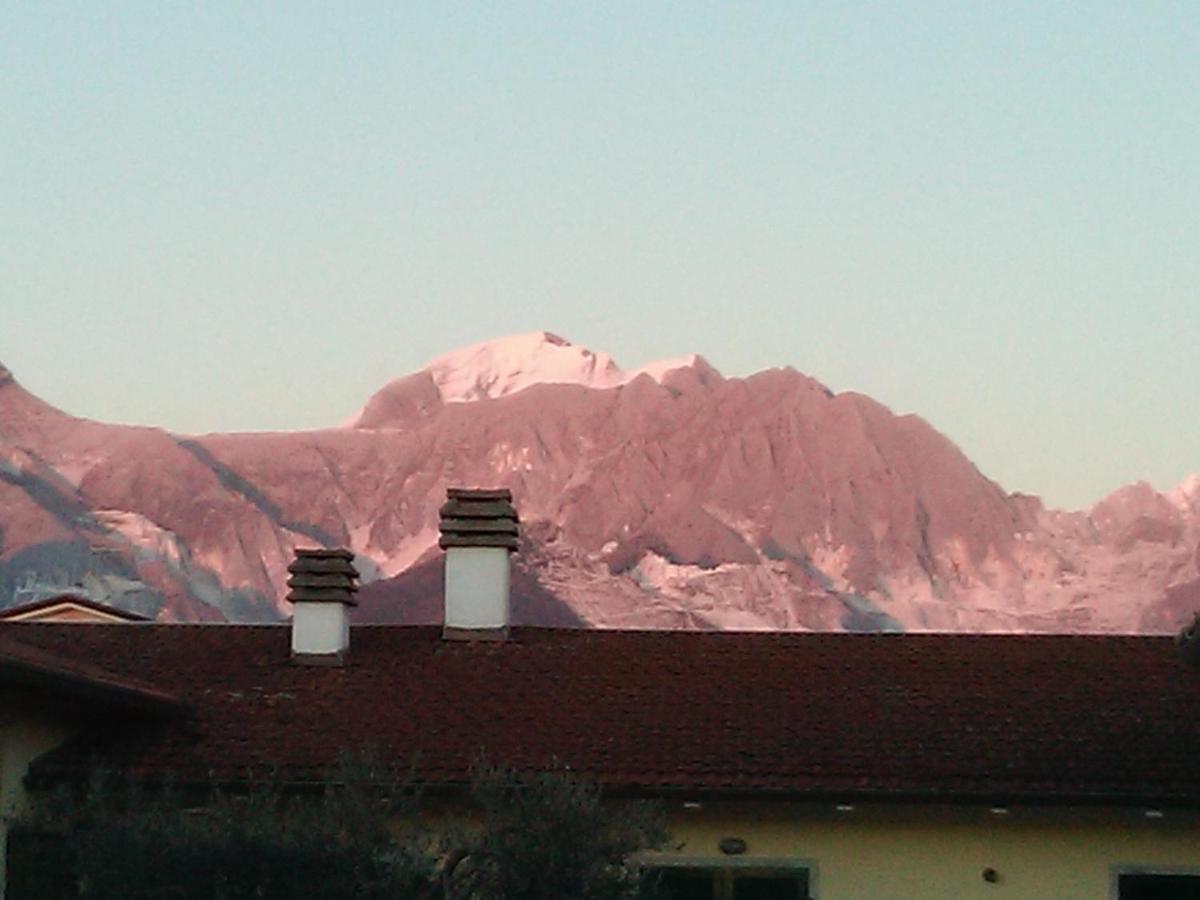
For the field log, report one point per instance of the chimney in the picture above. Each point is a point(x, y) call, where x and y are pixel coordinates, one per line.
point(479, 531)
point(322, 586)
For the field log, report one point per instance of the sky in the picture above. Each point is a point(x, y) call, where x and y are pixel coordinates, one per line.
point(232, 216)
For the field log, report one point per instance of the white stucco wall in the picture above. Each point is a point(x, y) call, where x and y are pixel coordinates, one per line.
point(320, 628)
point(477, 588)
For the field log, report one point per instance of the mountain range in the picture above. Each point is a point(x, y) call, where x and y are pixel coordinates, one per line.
point(666, 497)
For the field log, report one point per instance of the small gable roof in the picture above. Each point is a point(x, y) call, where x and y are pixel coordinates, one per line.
point(72, 608)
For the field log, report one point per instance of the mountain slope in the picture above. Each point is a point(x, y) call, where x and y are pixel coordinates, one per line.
point(665, 497)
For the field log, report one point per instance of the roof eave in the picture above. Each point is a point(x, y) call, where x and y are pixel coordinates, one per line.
point(112, 694)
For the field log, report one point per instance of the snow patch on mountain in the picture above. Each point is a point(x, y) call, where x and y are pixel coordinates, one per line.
point(504, 366)
point(1186, 495)
point(149, 540)
point(658, 370)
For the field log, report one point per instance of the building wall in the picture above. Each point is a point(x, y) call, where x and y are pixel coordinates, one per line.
point(922, 853)
point(27, 730)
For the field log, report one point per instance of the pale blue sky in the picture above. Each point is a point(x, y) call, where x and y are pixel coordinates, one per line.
point(228, 216)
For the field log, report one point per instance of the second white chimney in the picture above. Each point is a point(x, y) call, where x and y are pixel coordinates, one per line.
point(322, 585)
point(478, 532)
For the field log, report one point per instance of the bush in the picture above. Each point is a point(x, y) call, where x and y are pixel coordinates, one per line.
point(546, 836)
point(119, 841)
point(542, 836)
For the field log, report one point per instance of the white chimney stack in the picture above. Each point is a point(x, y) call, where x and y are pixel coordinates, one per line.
point(322, 586)
point(479, 531)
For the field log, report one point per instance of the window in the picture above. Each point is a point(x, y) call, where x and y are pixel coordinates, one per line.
point(702, 882)
point(1153, 886)
point(682, 884)
point(749, 886)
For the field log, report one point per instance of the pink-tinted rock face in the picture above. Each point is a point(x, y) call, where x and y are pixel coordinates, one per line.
point(665, 497)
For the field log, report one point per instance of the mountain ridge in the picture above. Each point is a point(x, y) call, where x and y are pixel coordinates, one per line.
point(667, 496)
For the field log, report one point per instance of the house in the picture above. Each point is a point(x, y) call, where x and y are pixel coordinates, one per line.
point(68, 608)
point(833, 766)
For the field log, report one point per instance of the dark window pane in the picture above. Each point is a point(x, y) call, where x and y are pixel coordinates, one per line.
point(770, 887)
point(682, 884)
point(1159, 887)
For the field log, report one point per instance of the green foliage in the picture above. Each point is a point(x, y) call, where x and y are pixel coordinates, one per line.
point(541, 835)
point(545, 836)
point(119, 840)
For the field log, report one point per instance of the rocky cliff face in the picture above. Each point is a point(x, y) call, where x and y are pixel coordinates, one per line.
point(665, 497)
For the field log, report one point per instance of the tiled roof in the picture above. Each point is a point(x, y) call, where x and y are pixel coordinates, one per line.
point(953, 717)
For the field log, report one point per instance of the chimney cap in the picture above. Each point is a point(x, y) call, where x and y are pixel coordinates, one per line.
point(322, 576)
point(473, 517)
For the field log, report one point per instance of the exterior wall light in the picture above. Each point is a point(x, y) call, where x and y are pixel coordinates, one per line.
point(732, 846)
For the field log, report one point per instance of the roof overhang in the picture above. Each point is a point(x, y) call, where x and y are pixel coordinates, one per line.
point(27, 667)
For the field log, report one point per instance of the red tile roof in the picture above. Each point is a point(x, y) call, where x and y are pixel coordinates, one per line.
point(933, 717)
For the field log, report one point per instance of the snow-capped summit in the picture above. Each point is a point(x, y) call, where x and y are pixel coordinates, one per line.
point(506, 365)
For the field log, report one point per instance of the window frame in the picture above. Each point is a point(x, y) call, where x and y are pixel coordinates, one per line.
point(767, 865)
point(1116, 871)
